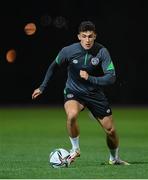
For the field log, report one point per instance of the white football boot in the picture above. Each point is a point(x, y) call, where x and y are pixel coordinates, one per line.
point(74, 153)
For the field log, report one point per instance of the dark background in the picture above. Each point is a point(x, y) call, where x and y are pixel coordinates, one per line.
point(121, 27)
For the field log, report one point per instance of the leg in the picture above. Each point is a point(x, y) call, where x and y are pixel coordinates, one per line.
point(112, 140)
point(72, 109)
point(111, 135)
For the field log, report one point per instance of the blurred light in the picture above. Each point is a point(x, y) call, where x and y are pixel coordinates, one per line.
point(60, 22)
point(30, 28)
point(45, 20)
point(11, 55)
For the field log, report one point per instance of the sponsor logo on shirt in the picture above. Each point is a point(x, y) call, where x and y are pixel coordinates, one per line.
point(70, 95)
point(95, 61)
point(75, 61)
point(108, 111)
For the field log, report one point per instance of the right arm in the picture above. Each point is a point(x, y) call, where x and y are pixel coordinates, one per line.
point(51, 70)
point(61, 58)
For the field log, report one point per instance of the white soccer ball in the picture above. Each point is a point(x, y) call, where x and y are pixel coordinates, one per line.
point(58, 158)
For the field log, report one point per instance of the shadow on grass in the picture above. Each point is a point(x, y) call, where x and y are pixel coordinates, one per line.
point(134, 162)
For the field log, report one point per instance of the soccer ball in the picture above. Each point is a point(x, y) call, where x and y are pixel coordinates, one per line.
point(58, 158)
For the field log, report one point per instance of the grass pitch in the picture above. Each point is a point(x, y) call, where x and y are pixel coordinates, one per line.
point(28, 135)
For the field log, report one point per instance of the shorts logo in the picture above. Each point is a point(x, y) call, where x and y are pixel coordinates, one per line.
point(95, 61)
point(108, 111)
point(75, 61)
point(70, 95)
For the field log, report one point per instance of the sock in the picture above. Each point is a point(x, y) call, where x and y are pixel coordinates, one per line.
point(74, 142)
point(114, 154)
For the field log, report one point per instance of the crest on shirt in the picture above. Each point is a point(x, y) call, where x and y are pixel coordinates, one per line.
point(75, 61)
point(95, 61)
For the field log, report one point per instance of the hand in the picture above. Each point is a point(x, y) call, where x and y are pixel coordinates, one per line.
point(84, 74)
point(36, 93)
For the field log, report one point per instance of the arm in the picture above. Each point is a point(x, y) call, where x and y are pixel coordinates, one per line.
point(108, 69)
point(107, 79)
point(61, 58)
point(51, 70)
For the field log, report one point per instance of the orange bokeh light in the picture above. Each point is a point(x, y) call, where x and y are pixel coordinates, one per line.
point(30, 28)
point(11, 55)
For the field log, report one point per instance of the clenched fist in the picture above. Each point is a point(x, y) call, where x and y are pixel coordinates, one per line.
point(84, 74)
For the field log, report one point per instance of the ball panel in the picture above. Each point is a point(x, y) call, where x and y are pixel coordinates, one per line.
point(58, 158)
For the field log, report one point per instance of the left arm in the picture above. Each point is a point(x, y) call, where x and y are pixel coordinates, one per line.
point(109, 76)
point(107, 79)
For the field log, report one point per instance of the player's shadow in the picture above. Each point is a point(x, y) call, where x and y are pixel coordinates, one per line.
point(138, 162)
point(134, 162)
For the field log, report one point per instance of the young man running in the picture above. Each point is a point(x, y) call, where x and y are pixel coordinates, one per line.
point(89, 67)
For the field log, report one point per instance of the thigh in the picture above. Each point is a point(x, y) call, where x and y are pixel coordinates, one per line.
point(73, 106)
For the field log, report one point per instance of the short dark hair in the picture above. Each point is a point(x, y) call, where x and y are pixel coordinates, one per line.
point(86, 26)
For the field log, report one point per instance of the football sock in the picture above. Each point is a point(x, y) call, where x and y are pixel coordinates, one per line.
point(114, 154)
point(74, 142)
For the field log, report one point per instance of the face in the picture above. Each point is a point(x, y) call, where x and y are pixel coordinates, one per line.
point(87, 39)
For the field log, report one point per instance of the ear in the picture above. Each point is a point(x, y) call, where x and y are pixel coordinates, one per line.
point(79, 37)
point(95, 36)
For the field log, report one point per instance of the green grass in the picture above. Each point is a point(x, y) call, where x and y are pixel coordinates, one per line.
point(28, 135)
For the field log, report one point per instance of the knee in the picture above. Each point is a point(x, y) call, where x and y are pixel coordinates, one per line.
point(111, 131)
point(72, 115)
